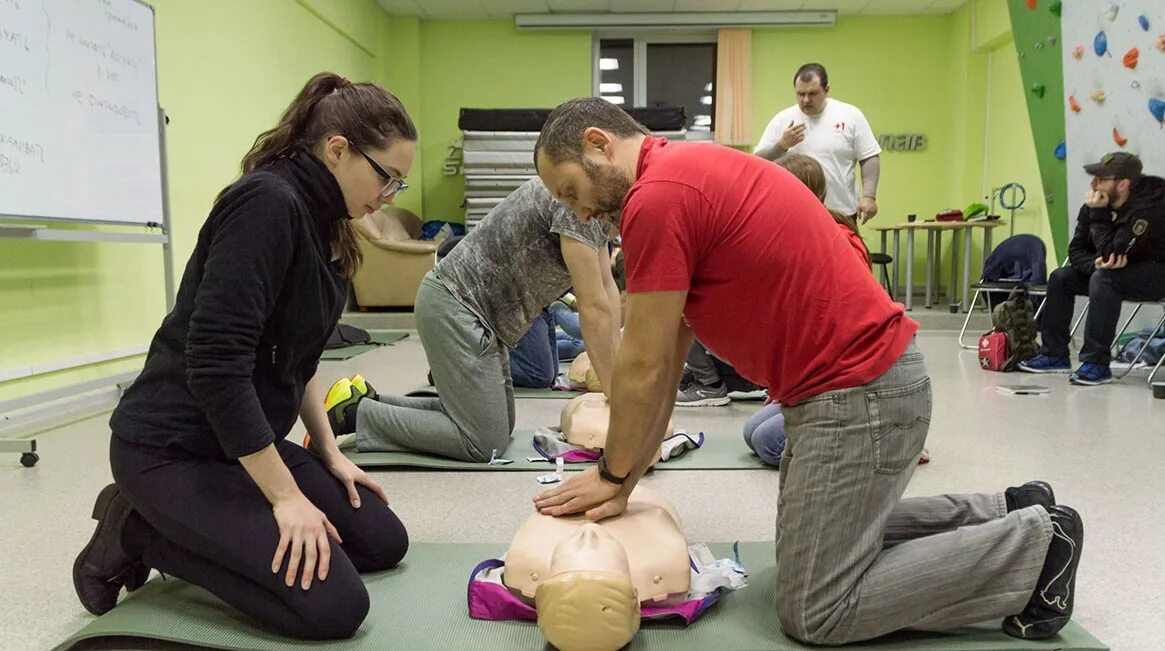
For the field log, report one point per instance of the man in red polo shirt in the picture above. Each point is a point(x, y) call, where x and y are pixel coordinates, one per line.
point(738, 251)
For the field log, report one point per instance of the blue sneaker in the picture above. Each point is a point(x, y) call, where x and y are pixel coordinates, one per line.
point(1091, 374)
point(1046, 364)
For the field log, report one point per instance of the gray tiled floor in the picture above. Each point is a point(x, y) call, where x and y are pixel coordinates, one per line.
point(1099, 447)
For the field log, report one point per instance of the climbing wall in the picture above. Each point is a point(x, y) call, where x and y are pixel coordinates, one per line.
point(1114, 83)
point(1035, 27)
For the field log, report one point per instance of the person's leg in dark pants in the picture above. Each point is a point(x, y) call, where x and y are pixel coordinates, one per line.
point(1064, 285)
point(702, 384)
point(206, 522)
point(1107, 290)
point(534, 361)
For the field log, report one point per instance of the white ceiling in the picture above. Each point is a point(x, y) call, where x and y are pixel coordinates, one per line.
point(480, 9)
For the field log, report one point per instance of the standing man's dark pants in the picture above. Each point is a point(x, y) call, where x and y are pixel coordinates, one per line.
point(1105, 289)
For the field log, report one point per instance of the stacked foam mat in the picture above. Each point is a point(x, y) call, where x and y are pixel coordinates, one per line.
point(498, 149)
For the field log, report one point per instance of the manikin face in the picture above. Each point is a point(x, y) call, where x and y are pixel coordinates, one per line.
point(811, 96)
point(365, 187)
point(590, 549)
point(594, 188)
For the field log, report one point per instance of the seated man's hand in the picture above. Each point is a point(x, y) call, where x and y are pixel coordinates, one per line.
point(1113, 261)
point(585, 491)
point(1096, 199)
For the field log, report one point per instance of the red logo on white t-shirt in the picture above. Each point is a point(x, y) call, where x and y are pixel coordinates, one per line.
point(840, 126)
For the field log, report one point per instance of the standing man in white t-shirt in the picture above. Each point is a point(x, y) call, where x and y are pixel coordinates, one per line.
point(833, 132)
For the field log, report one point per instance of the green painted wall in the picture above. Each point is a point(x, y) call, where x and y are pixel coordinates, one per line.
point(1037, 39)
point(226, 71)
point(488, 64)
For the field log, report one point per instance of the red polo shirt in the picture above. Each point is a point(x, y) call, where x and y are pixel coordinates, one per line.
point(774, 287)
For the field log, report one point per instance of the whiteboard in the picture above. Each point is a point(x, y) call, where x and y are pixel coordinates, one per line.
point(79, 136)
point(1127, 91)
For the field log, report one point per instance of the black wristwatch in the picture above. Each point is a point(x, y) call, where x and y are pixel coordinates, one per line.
point(606, 474)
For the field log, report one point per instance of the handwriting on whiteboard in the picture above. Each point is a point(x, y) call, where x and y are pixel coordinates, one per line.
point(14, 38)
point(15, 83)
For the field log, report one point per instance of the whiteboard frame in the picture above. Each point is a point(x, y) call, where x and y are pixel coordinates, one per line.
point(165, 223)
point(35, 232)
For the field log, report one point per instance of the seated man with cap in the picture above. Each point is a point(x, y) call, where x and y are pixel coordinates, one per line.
point(1116, 254)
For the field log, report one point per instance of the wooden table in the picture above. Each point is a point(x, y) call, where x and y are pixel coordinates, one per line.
point(934, 231)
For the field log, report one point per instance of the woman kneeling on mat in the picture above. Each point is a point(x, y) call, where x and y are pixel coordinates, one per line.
point(207, 489)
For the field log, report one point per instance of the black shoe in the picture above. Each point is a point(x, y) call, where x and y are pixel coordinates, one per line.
point(1050, 606)
point(1030, 494)
point(104, 566)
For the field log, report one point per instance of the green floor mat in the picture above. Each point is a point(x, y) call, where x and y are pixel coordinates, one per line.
point(421, 606)
point(721, 451)
point(519, 392)
point(379, 338)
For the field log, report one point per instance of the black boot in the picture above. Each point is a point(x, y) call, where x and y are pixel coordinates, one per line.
point(104, 566)
point(1030, 494)
point(1050, 606)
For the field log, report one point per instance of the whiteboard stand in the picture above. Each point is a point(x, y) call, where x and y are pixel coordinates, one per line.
point(26, 447)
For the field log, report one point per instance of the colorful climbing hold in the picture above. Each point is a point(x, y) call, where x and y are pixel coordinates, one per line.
point(1136, 85)
point(1111, 12)
point(1130, 58)
point(1120, 140)
point(1038, 90)
point(1031, 4)
point(1073, 104)
point(1144, 21)
point(1097, 96)
point(1056, 8)
point(1078, 52)
point(1157, 108)
point(1061, 151)
point(1160, 43)
point(1100, 44)
point(1052, 41)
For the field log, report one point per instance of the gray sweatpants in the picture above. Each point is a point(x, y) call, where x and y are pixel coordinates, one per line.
point(854, 559)
point(474, 414)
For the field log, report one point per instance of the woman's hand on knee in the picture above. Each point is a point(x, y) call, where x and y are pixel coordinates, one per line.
point(350, 475)
point(303, 537)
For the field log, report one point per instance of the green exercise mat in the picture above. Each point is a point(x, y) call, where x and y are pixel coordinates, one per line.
point(379, 338)
point(519, 392)
point(421, 606)
point(721, 451)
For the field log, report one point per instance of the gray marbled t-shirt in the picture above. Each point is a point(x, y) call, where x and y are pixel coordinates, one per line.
point(510, 266)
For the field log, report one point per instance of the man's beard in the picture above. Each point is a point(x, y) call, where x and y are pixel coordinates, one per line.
point(611, 188)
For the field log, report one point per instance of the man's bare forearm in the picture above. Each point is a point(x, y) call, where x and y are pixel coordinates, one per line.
point(771, 152)
point(597, 322)
point(871, 170)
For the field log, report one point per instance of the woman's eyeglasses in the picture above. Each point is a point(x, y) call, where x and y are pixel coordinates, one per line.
point(393, 186)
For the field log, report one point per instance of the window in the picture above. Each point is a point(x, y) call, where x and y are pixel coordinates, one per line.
point(660, 71)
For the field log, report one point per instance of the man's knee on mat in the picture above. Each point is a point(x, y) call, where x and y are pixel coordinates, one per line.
point(481, 448)
point(798, 623)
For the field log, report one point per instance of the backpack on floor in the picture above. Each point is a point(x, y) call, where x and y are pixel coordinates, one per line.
point(346, 335)
point(1015, 320)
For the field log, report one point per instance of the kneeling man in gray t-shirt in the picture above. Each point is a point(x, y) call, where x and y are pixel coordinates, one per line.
point(475, 305)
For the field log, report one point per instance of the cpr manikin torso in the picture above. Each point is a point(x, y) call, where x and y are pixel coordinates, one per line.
point(588, 579)
point(585, 419)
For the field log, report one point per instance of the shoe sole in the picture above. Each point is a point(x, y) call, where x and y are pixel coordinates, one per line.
point(100, 514)
point(1073, 531)
point(705, 402)
point(1089, 383)
point(1044, 371)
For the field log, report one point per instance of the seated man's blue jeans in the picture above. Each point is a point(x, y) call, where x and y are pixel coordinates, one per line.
point(534, 361)
point(1105, 289)
point(566, 319)
point(568, 346)
point(764, 433)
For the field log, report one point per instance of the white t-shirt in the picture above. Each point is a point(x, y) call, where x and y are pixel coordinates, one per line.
point(838, 137)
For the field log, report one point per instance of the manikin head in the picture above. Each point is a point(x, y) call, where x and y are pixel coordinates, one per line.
point(587, 156)
point(589, 602)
